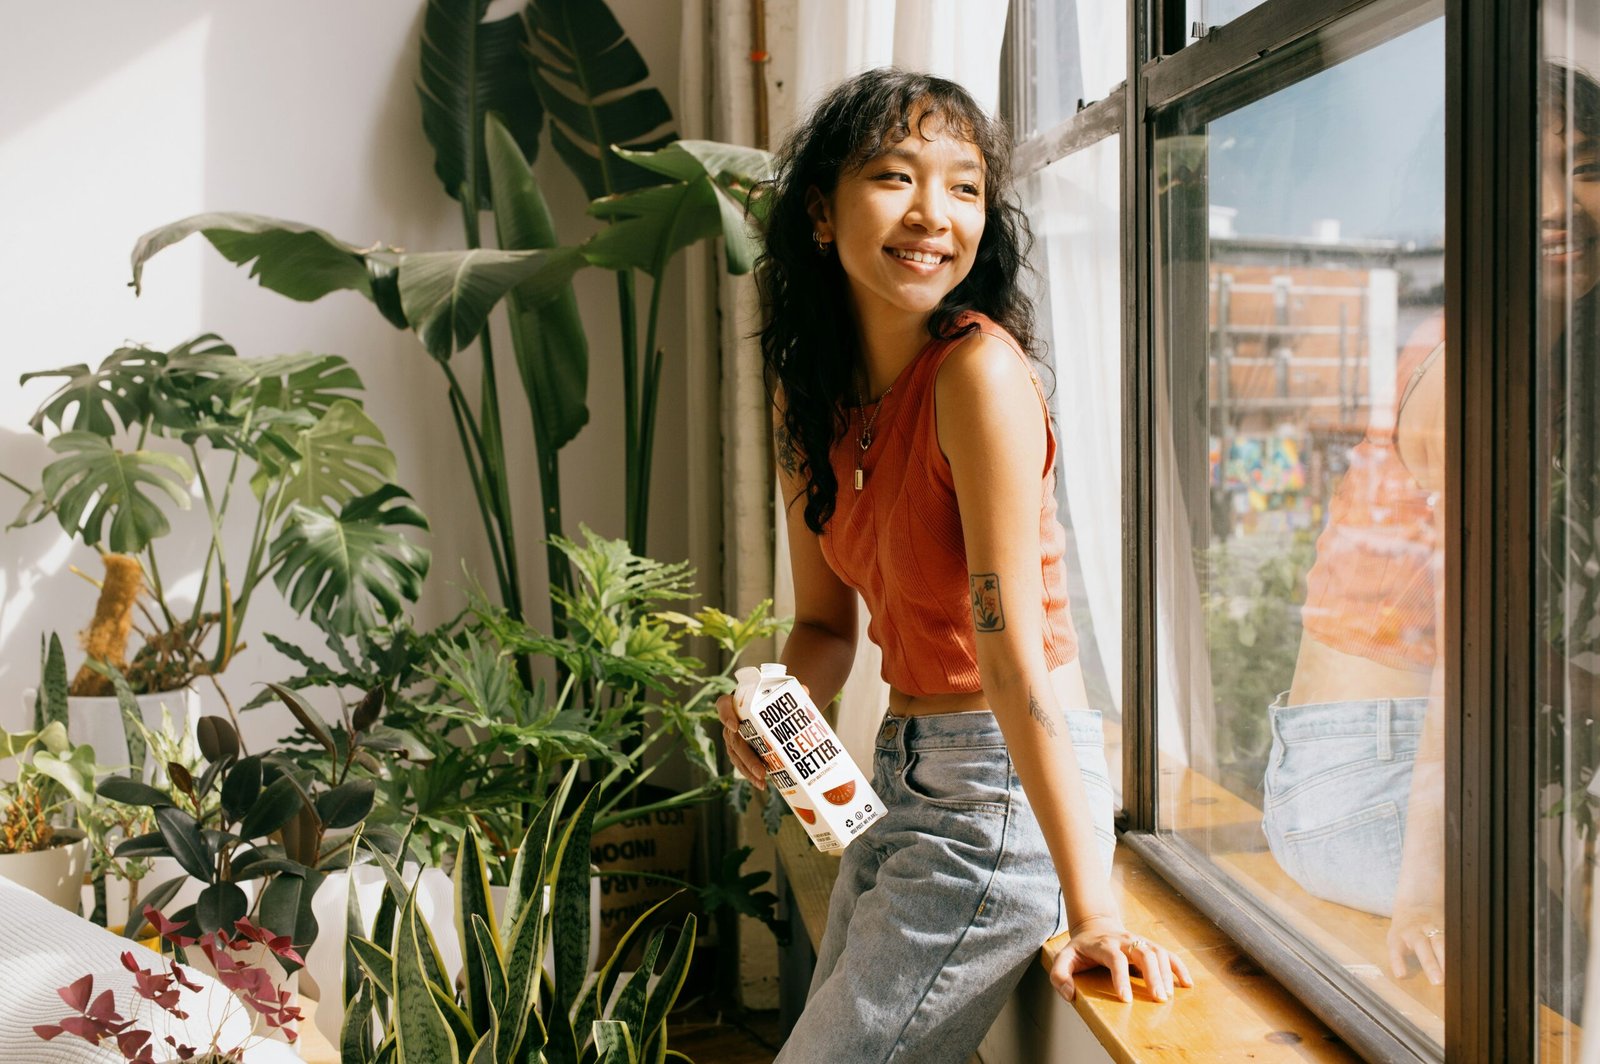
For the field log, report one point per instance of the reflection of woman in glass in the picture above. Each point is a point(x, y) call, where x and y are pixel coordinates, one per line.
point(1355, 784)
point(890, 289)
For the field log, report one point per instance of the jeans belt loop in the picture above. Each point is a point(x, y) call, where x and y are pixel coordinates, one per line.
point(1385, 730)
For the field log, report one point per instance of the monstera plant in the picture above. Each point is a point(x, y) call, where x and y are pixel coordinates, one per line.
point(489, 89)
point(283, 439)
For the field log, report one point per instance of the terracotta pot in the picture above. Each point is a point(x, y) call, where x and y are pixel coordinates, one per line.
point(55, 873)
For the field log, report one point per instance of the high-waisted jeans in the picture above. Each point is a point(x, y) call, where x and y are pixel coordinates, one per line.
point(1337, 785)
point(941, 906)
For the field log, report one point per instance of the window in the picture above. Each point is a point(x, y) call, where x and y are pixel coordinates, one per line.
point(1077, 255)
point(1358, 447)
point(1299, 292)
point(1567, 507)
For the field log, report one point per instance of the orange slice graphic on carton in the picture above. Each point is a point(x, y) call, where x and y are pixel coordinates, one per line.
point(841, 795)
point(808, 815)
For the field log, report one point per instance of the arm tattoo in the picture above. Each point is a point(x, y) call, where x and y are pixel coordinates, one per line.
point(987, 613)
point(788, 457)
point(1037, 712)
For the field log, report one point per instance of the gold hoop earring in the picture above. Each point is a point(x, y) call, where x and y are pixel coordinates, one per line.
point(822, 245)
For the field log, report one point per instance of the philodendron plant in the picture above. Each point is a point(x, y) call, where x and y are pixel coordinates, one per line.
point(256, 817)
point(282, 441)
point(502, 1009)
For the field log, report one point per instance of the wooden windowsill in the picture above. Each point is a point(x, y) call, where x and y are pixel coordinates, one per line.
point(1236, 1012)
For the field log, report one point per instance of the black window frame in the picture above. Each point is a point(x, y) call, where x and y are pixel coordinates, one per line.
point(1492, 63)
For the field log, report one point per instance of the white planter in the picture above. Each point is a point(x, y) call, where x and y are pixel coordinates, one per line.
point(56, 874)
point(98, 722)
point(435, 904)
point(161, 870)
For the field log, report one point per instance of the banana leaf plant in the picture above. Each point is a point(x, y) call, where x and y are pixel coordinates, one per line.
point(258, 817)
point(283, 438)
point(487, 88)
point(402, 1006)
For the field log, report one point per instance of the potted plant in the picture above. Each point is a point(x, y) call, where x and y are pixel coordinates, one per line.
point(283, 438)
point(404, 1005)
point(40, 846)
point(257, 831)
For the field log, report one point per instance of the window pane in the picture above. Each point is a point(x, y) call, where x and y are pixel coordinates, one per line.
point(1073, 204)
point(1568, 490)
point(1069, 51)
point(1299, 425)
point(1213, 13)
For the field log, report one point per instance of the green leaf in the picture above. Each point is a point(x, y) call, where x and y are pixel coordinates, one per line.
point(278, 804)
point(705, 200)
point(346, 805)
point(376, 961)
point(355, 1034)
point(614, 1043)
point(286, 908)
point(423, 1034)
point(469, 68)
point(294, 260)
point(494, 967)
point(353, 570)
point(132, 717)
point(114, 397)
point(219, 906)
point(569, 913)
point(157, 898)
point(629, 1006)
point(552, 349)
point(93, 483)
point(52, 694)
point(339, 458)
point(241, 787)
point(471, 878)
point(308, 717)
point(132, 792)
point(590, 78)
point(181, 833)
point(653, 1028)
point(447, 295)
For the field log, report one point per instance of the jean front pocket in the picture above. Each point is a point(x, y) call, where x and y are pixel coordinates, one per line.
point(960, 777)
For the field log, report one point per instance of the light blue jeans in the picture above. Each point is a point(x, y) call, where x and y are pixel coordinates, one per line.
point(941, 906)
point(1337, 784)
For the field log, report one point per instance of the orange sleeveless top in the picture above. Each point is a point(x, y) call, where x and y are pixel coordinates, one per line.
point(1370, 592)
point(898, 541)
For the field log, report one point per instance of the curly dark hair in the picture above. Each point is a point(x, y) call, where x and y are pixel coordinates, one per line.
point(808, 339)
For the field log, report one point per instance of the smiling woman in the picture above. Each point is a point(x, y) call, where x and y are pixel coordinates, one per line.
point(899, 346)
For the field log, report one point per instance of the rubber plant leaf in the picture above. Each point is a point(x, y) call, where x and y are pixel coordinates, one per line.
point(471, 68)
point(107, 497)
point(355, 569)
point(590, 78)
point(552, 349)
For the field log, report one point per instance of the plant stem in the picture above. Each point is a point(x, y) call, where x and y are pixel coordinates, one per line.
point(225, 642)
point(630, 393)
point(471, 448)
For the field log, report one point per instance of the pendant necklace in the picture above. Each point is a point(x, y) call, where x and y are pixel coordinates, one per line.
point(864, 437)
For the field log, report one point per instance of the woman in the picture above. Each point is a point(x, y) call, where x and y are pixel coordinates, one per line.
point(917, 461)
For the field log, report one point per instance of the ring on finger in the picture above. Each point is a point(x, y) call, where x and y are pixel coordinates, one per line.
point(1431, 933)
point(1137, 944)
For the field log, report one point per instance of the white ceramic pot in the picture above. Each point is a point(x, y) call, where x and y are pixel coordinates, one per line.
point(258, 956)
point(98, 722)
point(56, 874)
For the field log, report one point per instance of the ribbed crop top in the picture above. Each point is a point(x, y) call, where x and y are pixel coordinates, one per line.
point(898, 541)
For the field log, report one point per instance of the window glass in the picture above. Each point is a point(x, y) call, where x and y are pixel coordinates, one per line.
point(1073, 51)
point(1212, 13)
point(1298, 461)
point(1567, 494)
point(1073, 206)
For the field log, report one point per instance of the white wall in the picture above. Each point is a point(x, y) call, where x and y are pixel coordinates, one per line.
point(116, 118)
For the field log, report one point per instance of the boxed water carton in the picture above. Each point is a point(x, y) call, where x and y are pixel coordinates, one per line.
point(806, 762)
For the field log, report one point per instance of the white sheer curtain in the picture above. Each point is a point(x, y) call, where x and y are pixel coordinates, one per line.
point(833, 39)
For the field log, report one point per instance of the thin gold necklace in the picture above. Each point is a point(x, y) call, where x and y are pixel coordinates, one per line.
point(864, 437)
